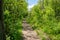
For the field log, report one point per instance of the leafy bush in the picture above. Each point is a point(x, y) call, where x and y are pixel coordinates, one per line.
point(14, 11)
point(44, 16)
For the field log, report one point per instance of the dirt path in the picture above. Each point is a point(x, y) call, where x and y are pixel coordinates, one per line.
point(28, 32)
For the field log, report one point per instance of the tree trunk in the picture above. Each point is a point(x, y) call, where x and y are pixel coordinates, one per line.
point(2, 31)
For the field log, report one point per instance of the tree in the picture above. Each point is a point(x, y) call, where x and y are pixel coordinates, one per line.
point(2, 30)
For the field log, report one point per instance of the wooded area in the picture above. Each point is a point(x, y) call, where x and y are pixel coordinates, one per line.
point(44, 18)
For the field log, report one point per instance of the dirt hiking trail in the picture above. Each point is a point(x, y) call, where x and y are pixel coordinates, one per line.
point(28, 32)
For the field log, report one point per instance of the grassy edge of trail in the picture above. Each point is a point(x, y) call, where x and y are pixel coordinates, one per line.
point(18, 32)
point(43, 35)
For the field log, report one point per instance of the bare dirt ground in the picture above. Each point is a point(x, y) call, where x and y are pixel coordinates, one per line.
point(28, 32)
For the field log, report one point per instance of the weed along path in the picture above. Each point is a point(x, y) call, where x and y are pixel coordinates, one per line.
point(28, 32)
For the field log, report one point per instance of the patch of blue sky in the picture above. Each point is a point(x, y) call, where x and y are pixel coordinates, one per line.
point(31, 3)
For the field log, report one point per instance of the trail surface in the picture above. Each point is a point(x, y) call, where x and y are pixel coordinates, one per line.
point(28, 32)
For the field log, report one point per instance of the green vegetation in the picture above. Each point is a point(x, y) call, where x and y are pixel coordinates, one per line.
point(14, 11)
point(45, 16)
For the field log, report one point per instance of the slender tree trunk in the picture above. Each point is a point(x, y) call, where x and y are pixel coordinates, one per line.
point(2, 31)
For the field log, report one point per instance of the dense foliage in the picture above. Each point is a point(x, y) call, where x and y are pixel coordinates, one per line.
point(45, 16)
point(14, 11)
